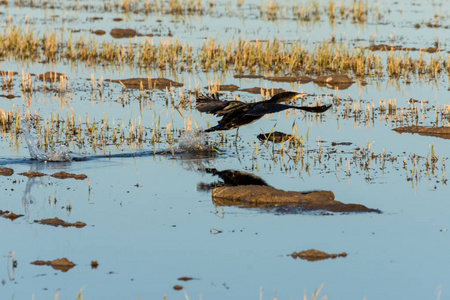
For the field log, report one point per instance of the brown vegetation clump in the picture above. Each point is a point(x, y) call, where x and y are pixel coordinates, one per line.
point(32, 174)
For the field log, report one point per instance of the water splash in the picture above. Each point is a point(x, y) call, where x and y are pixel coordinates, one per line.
point(60, 154)
point(194, 141)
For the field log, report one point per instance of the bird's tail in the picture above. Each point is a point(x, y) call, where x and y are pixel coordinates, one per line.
point(314, 109)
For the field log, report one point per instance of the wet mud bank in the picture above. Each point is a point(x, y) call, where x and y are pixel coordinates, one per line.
point(440, 132)
point(61, 264)
point(260, 196)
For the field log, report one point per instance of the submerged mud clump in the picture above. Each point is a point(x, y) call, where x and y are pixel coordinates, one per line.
point(334, 81)
point(440, 132)
point(58, 222)
point(224, 87)
point(300, 79)
point(32, 174)
point(6, 171)
point(65, 175)
point(260, 196)
point(315, 255)
point(148, 83)
point(52, 76)
point(384, 47)
point(260, 90)
point(9, 215)
point(119, 33)
point(61, 264)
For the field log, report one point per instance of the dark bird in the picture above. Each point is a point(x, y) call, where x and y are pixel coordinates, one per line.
point(236, 113)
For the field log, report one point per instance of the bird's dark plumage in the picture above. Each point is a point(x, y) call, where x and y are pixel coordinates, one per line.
point(236, 113)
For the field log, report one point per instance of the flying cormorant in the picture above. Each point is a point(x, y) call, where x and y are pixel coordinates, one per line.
point(236, 113)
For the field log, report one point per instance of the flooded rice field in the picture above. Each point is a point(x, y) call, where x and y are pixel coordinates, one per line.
point(138, 162)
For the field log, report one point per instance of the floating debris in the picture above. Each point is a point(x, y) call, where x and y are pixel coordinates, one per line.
point(65, 175)
point(58, 222)
point(315, 255)
point(119, 33)
point(61, 264)
point(177, 287)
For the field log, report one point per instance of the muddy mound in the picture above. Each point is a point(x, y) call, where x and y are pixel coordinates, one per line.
point(275, 137)
point(61, 264)
point(260, 196)
point(9, 215)
point(65, 175)
point(148, 83)
point(58, 222)
point(249, 76)
point(341, 82)
point(440, 132)
point(52, 76)
point(119, 33)
point(384, 47)
point(224, 87)
point(300, 79)
point(6, 171)
point(315, 255)
point(32, 174)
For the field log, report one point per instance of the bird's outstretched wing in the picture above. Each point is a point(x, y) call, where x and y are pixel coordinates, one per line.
point(217, 107)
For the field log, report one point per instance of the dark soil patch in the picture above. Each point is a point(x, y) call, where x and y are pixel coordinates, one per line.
point(118, 33)
point(148, 83)
point(9, 215)
point(65, 175)
point(257, 90)
point(6, 171)
point(177, 287)
point(301, 79)
point(315, 255)
point(58, 222)
point(61, 264)
point(98, 32)
point(440, 132)
point(117, 19)
point(341, 82)
point(263, 196)
point(275, 137)
point(226, 88)
point(249, 76)
point(51, 76)
point(32, 174)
